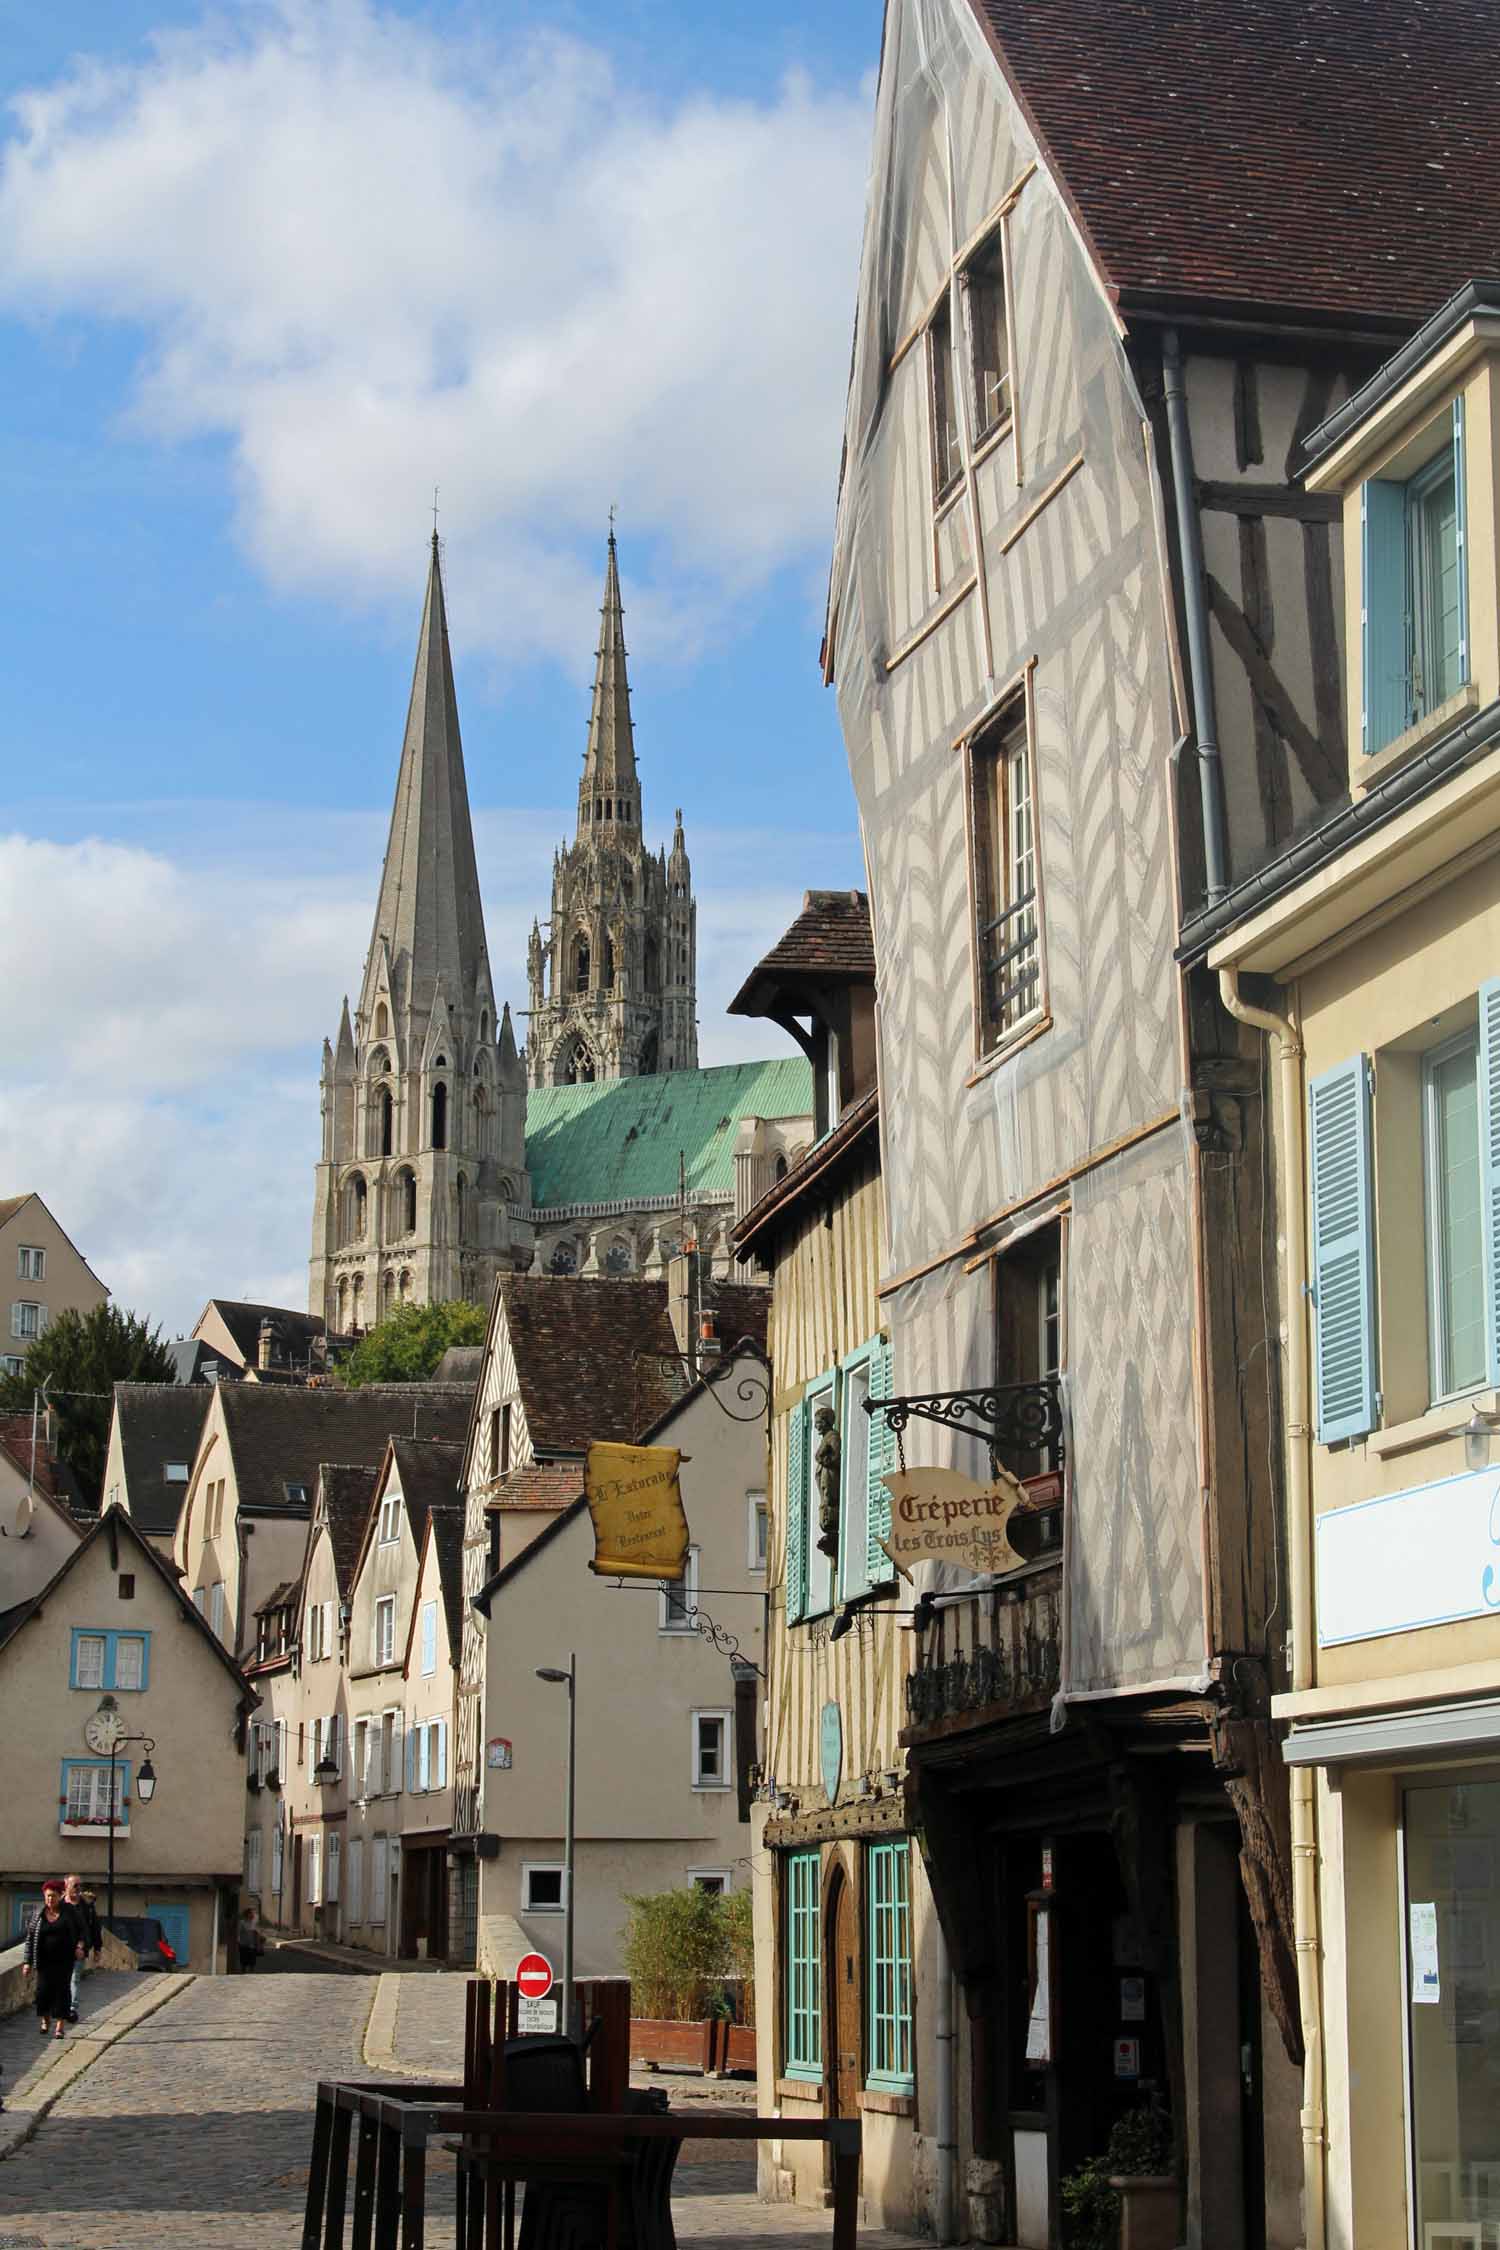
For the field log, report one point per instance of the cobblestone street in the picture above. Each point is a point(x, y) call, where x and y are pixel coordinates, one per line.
point(193, 2127)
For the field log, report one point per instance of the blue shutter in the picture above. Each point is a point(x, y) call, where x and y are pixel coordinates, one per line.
point(1387, 695)
point(1461, 521)
point(1489, 1165)
point(411, 1758)
point(1343, 1261)
point(796, 1512)
point(879, 1568)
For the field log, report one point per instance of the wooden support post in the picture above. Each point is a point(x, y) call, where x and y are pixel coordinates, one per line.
point(338, 2177)
point(845, 2137)
point(414, 2185)
point(364, 2183)
point(388, 2186)
point(317, 2171)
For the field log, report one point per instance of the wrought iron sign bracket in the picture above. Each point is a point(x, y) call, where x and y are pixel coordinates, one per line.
point(1018, 1417)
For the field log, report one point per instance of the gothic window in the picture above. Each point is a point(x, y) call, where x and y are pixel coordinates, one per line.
point(617, 1258)
point(507, 1191)
point(461, 1206)
point(440, 1116)
point(387, 1291)
point(580, 963)
point(781, 1167)
point(649, 1055)
point(357, 1308)
point(653, 963)
point(382, 1023)
point(406, 1288)
point(484, 1029)
point(344, 1306)
point(355, 1195)
point(576, 1065)
point(404, 1203)
point(385, 1122)
point(564, 1259)
point(481, 1122)
point(609, 964)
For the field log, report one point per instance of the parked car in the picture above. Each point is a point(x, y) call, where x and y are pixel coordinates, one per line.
point(146, 1937)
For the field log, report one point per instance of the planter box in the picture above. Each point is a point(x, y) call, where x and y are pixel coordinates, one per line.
point(1148, 2210)
point(736, 2048)
point(673, 2046)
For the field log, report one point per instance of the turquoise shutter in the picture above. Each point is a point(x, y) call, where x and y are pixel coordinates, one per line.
point(878, 1566)
point(1343, 1262)
point(796, 1512)
point(1489, 1164)
point(1382, 516)
point(1461, 520)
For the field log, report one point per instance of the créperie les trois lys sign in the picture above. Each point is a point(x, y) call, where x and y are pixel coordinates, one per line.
point(937, 1515)
point(635, 1502)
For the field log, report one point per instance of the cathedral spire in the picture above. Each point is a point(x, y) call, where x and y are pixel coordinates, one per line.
point(609, 773)
point(428, 911)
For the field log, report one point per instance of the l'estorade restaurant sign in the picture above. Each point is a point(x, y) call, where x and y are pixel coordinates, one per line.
point(1428, 1556)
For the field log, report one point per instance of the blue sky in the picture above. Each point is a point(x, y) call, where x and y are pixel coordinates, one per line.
point(266, 276)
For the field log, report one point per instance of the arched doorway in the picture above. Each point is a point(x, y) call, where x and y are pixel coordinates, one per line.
point(841, 1995)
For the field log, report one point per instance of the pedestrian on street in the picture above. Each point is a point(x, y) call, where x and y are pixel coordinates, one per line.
point(53, 1943)
point(82, 1904)
point(251, 1943)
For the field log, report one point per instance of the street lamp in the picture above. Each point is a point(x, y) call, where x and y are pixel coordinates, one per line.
point(569, 1680)
point(106, 1735)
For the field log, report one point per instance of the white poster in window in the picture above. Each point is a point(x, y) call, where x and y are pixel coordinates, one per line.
point(1426, 1987)
point(1039, 2025)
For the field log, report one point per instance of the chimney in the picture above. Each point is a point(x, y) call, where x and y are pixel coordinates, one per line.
point(709, 1345)
point(267, 1345)
point(685, 1304)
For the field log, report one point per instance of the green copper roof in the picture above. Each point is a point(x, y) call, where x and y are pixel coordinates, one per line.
point(621, 1139)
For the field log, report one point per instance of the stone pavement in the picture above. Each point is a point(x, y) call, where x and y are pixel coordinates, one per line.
point(194, 2126)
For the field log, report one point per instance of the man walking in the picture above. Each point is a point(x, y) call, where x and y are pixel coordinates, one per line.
point(87, 1917)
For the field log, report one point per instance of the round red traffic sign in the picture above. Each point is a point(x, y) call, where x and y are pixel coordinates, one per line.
point(533, 1976)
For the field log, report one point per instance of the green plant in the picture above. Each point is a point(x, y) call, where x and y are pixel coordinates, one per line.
point(407, 1345)
point(1140, 2143)
point(677, 1953)
point(739, 1928)
point(1091, 2208)
point(81, 1357)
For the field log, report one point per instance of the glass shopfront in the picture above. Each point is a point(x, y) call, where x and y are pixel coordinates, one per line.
point(1452, 1854)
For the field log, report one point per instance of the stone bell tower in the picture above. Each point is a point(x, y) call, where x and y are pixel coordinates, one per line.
point(613, 985)
point(424, 1094)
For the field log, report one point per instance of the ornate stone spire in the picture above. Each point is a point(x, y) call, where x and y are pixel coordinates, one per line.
point(609, 775)
point(428, 912)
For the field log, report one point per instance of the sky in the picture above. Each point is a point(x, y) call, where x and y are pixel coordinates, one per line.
point(269, 276)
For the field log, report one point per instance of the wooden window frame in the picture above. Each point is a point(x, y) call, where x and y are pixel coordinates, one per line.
point(802, 1871)
point(888, 1913)
point(975, 274)
point(994, 737)
point(942, 394)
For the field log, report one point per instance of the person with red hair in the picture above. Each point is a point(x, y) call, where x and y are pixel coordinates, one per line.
point(53, 1943)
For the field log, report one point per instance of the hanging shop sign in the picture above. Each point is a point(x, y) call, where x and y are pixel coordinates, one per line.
point(939, 1516)
point(635, 1502)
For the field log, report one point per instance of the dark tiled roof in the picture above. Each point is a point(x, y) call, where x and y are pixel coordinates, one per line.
point(278, 1597)
point(158, 1423)
point(742, 1309)
point(10, 1205)
point(594, 1358)
point(198, 1362)
point(857, 1122)
point(279, 1435)
point(429, 1472)
point(829, 944)
point(545, 1484)
point(448, 1537)
point(347, 1488)
point(1333, 157)
point(296, 1330)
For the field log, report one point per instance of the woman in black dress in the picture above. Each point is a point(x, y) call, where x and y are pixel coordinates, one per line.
point(54, 1942)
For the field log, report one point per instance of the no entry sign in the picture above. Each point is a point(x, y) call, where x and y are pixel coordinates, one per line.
point(533, 1976)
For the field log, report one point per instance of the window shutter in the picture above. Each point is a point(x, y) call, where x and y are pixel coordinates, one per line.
point(397, 1728)
point(1343, 1262)
point(335, 1741)
point(796, 1512)
point(1461, 525)
point(878, 1566)
point(1489, 1165)
point(281, 1748)
point(1386, 655)
point(440, 1779)
point(332, 1886)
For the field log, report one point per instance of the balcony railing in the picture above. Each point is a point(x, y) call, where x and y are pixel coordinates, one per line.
point(990, 1655)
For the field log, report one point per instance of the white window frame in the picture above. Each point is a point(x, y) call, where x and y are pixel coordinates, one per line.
point(1441, 1388)
point(333, 1867)
point(725, 1780)
point(89, 1641)
point(757, 1532)
point(385, 1614)
point(216, 1609)
point(380, 1880)
point(1003, 746)
point(429, 1639)
point(312, 1870)
point(354, 1881)
point(388, 1529)
point(534, 1867)
point(253, 1849)
point(31, 1262)
point(27, 1319)
point(718, 1880)
point(677, 1605)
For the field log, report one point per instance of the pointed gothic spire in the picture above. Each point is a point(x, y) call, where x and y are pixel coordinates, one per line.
point(507, 1037)
point(609, 758)
point(428, 912)
point(344, 1058)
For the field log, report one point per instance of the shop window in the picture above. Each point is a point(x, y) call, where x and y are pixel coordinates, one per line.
point(802, 1953)
point(1416, 601)
point(888, 1954)
point(1004, 888)
point(1452, 1858)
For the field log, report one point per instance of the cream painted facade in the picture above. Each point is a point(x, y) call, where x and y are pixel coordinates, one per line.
point(1377, 972)
point(665, 1735)
point(113, 1617)
point(226, 1575)
point(42, 1275)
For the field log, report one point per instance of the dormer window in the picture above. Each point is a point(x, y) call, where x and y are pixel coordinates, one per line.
point(1415, 593)
point(176, 1472)
point(297, 1495)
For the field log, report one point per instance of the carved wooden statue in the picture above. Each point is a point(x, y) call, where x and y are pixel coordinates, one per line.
point(826, 1461)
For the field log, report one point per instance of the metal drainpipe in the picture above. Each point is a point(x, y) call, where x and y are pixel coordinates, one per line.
point(1304, 1812)
point(945, 2039)
point(1200, 653)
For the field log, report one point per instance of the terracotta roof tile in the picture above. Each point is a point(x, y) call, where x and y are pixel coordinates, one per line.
point(544, 1484)
point(829, 943)
point(1333, 157)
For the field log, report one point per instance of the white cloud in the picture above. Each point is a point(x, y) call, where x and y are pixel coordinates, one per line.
point(162, 1013)
point(375, 258)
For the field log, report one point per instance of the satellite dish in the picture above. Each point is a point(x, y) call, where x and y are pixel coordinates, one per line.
point(25, 1515)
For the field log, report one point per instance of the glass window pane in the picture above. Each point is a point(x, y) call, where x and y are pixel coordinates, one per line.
point(130, 1660)
point(1453, 1958)
point(90, 1660)
point(854, 1542)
